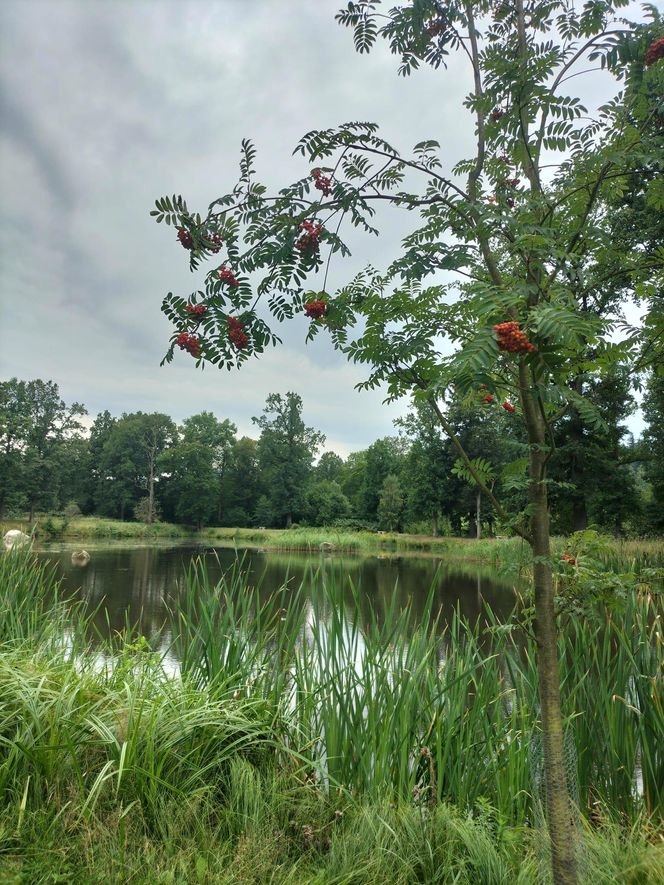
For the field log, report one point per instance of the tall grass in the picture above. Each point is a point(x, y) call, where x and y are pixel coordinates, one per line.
point(32, 607)
point(307, 740)
point(393, 706)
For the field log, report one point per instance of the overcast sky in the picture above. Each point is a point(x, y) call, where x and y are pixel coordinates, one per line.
point(109, 104)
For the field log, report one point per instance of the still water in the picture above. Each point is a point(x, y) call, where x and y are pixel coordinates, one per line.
point(135, 584)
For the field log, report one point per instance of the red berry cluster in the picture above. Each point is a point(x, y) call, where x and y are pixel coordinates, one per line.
point(227, 276)
point(435, 27)
point(315, 309)
point(510, 182)
point(185, 238)
point(322, 182)
point(489, 398)
point(496, 115)
point(236, 333)
point(196, 310)
point(189, 343)
point(655, 52)
point(569, 559)
point(507, 405)
point(310, 236)
point(217, 241)
point(512, 339)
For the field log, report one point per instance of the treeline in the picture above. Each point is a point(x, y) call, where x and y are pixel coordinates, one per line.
point(144, 466)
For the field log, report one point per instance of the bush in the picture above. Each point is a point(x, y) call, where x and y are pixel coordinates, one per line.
point(142, 511)
point(71, 510)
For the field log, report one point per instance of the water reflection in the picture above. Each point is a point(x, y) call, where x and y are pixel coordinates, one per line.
point(135, 584)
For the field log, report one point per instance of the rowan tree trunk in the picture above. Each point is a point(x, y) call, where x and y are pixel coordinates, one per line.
point(560, 814)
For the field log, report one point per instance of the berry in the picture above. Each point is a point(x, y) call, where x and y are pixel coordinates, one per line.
point(185, 238)
point(315, 309)
point(227, 276)
point(488, 398)
point(654, 52)
point(435, 27)
point(196, 309)
point(482, 386)
point(322, 182)
point(569, 559)
point(508, 406)
point(496, 114)
point(190, 343)
point(512, 339)
point(217, 242)
point(309, 238)
point(236, 333)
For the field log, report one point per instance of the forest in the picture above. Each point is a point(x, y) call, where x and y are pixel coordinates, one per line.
point(146, 467)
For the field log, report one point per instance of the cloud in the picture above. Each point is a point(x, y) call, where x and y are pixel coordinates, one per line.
point(108, 105)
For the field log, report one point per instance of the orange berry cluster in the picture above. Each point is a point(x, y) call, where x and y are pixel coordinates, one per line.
point(315, 309)
point(309, 237)
point(655, 52)
point(196, 310)
point(569, 559)
point(236, 333)
point(435, 27)
point(512, 339)
point(227, 276)
point(322, 182)
point(190, 343)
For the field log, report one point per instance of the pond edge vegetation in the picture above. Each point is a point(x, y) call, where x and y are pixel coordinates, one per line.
point(405, 758)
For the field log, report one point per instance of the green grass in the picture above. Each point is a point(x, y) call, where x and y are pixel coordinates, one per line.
point(617, 554)
point(307, 741)
point(121, 775)
point(390, 706)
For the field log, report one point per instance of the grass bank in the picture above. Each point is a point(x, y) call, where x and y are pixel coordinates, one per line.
point(305, 742)
point(617, 554)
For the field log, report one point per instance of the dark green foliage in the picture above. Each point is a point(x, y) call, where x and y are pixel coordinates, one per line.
point(35, 426)
point(653, 410)
point(286, 449)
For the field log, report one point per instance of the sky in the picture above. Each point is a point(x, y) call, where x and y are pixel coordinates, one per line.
point(106, 105)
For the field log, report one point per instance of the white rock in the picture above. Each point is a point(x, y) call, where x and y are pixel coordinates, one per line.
point(15, 538)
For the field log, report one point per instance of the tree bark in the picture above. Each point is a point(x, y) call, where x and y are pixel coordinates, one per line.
point(559, 811)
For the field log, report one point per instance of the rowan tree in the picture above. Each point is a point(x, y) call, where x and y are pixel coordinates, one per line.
point(514, 236)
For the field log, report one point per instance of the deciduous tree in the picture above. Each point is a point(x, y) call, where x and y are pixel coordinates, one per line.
point(286, 449)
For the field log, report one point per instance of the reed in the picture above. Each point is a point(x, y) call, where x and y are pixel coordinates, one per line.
point(396, 706)
point(307, 740)
point(32, 607)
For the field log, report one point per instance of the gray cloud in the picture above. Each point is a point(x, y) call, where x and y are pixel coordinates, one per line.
point(108, 105)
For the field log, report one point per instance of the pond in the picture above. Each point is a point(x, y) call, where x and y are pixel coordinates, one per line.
point(133, 584)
